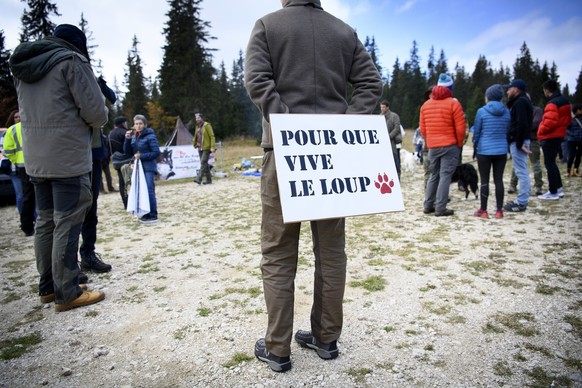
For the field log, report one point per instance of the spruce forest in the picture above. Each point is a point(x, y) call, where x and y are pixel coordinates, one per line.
point(187, 81)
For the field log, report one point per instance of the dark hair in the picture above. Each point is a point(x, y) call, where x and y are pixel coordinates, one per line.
point(10, 122)
point(576, 107)
point(385, 102)
point(551, 85)
point(427, 93)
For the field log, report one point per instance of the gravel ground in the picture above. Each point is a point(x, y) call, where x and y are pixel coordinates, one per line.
point(451, 301)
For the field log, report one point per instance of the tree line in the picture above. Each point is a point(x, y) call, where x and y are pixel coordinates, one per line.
point(187, 82)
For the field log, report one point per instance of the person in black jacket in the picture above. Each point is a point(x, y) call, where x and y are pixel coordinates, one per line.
point(116, 139)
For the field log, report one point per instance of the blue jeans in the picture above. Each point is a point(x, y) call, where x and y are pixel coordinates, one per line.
point(443, 163)
point(149, 177)
point(62, 205)
point(521, 171)
point(17, 183)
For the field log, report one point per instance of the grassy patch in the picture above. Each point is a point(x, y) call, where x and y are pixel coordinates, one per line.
point(388, 329)
point(359, 374)
point(518, 323)
point(237, 359)
point(438, 310)
point(204, 311)
point(575, 322)
point(371, 283)
point(502, 369)
point(11, 297)
point(544, 289)
point(16, 347)
point(542, 379)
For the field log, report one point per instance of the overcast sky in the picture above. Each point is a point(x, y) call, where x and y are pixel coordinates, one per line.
point(463, 29)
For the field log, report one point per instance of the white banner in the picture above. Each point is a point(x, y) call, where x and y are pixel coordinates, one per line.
point(178, 162)
point(331, 166)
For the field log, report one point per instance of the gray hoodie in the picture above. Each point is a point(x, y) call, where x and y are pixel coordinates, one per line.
point(300, 59)
point(59, 102)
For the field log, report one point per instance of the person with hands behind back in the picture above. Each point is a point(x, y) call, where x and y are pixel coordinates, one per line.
point(145, 148)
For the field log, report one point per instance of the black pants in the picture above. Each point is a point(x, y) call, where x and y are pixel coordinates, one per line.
point(89, 229)
point(551, 147)
point(122, 189)
point(485, 163)
point(574, 154)
point(28, 214)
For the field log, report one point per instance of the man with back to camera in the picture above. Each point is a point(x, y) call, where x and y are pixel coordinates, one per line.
point(300, 59)
point(551, 132)
point(518, 137)
point(61, 106)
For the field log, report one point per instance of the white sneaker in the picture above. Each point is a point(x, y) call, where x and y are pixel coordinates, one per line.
point(549, 196)
point(561, 192)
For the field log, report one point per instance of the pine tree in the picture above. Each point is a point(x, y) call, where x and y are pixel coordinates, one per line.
point(577, 96)
point(36, 23)
point(186, 74)
point(414, 85)
point(441, 66)
point(431, 66)
point(8, 101)
point(83, 25)
point(250, 123)
point(136, 99)
point(372, 48)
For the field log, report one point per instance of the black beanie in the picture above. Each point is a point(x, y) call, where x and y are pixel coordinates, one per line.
point(74, 36)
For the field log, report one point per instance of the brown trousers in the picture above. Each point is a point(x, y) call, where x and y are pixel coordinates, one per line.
point(279, 246)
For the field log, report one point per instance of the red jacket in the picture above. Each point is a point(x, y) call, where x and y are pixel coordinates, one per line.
point(557, 117)
point(442, 121)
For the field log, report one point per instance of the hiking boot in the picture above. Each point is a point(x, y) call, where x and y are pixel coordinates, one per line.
point(512, 190)
point(549, 196)
point(561, 193)
point(428, 210)
point(276, 363)
point(499, 214)
point(514, 207)
point(49, 298)
point(207, 182)
point(326, 351)
point(196, 180)
point(85, 299)
point(444, 213)
point(93, 263)
point(539, 191)
point(481, 213)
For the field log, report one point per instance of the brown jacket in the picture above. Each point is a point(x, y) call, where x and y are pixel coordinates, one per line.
point(300, 59)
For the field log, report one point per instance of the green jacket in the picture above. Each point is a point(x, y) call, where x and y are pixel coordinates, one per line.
point(207, 137)
point(13, 145)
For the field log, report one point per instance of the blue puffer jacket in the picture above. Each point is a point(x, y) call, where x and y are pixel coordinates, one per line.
point(490, 129)
point(574, 131)
point(148, 147)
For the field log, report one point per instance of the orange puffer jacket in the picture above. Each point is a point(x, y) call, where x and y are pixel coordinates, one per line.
point(442, 121)
point(556, 119)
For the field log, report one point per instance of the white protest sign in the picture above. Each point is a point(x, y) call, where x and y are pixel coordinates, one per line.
point(331, 166)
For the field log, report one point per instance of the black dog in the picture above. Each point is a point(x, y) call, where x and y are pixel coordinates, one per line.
point(467, 177)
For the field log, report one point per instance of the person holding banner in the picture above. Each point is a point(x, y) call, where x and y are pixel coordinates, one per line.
point(291, 67)
point(145, 147)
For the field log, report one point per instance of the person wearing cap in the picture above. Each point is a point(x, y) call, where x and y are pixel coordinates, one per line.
point(534, 156)
point(490, 144)
point(518, 137)
point(116, 139)
point(443, 126)
point(204, 142)
point(61, 107)
point(557, 117)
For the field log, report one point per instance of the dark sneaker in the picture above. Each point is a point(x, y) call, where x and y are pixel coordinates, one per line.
point(196, 180)
point(207, 182)
point(511, 190)
point(83, 278)
point(514, 207)
point(428, 210)
point(325, 351)
point(276, 363)
point(444, 213)
point(539, 192)
point(148, 219)
point(93, 263)
point(85, 299)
